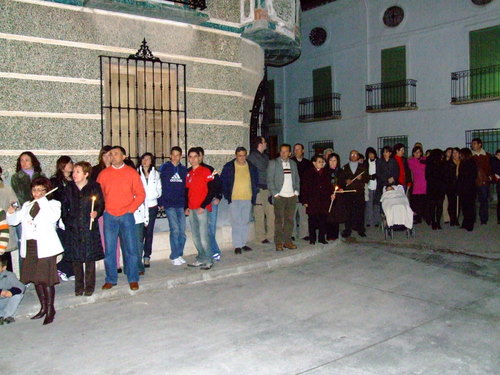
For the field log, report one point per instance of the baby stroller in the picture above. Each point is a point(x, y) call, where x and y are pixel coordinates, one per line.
point(396, 213)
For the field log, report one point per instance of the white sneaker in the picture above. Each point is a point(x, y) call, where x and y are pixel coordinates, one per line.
point(177, 262)
point(62, 276)
point(182, 260)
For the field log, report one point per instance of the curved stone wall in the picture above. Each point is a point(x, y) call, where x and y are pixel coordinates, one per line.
point(50, 78)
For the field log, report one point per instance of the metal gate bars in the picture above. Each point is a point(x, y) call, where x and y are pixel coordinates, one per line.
point(143, 104)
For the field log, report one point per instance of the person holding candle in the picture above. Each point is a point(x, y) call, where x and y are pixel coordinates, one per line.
point(316, 192)
point(83, 204)
point(40, 244)
point(356, 177)
point(337, 210)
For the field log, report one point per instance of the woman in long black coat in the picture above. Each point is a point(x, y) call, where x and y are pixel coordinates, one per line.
point(338, 212)
point(466, 187)
point(436, 186)
point(84, 244)
point(316, 191)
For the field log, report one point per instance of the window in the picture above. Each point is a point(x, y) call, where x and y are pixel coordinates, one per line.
point(322, 87)
point(484, 50)
point(143, 104)
point(393, 69)
point(317, 147)
point(490, 138)
point(391, 141)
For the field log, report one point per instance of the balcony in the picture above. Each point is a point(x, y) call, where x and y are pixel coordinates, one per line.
point(392, 96)
point(275, 115)
point(320, 108)
point(476, 85)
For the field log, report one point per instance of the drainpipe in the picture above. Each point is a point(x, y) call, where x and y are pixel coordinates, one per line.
point(368, 73)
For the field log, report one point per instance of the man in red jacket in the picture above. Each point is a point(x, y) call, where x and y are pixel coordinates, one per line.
point(198, 204)
point(123, 194)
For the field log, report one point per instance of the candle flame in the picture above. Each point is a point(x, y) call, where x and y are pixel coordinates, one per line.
point(336, 188)
point(94, 197)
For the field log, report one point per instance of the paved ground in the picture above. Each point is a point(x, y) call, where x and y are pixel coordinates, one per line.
point(483, 242)
point(349, 308)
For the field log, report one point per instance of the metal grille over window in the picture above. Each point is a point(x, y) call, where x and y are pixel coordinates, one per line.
point(143, 104)
point(317, 147)
point(391, 141)
point(489, 137)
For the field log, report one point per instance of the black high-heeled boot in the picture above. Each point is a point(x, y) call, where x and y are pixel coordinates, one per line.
point(50, 294)
point(43, 302)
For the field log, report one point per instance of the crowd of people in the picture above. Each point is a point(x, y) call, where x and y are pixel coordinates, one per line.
point(87, 213)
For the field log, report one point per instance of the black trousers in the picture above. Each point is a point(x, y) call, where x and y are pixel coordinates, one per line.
point(317, 222)
point(420, 206)
point(332, 230)
point(468, 207)
point(84, 281)
point(452, 205)
point(436, 210)
point(356, 214)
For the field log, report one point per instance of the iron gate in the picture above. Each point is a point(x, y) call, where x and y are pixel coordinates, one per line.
point(143, 104)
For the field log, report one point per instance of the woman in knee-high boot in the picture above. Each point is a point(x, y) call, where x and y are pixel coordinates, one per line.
point(40, 244)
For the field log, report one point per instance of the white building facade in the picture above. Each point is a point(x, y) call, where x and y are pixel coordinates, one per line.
point(433, 39)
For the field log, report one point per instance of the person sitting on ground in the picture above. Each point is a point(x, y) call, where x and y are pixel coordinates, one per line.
point(11, 292)
point(396, 206)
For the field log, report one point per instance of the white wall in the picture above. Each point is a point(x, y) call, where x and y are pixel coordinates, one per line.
point(436, 36)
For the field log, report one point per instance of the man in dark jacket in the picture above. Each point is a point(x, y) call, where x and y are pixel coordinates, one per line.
point(356, 178)
point(303, 164)
point(387, 171)
point(263, 210)
point(484, 177)
point(239, 186)
point(173, 200)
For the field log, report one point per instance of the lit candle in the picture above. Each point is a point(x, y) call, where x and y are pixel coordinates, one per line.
point(331, 202)
point(92, 210)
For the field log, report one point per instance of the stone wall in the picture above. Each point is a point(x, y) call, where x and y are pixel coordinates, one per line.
point(50, 78)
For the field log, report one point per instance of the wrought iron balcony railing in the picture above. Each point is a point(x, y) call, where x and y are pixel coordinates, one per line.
point(481, 84)
point(193, 4)
point(319, 108)
point(392, 96)
point(275, 114)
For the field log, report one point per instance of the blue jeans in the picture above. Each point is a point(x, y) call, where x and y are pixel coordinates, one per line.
point(177, 223)
point(148, 232)
point(482, 196)
point(199, 230)
point(8, 306)
point(139, 229)
point(212, 229)
point(123, 227)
